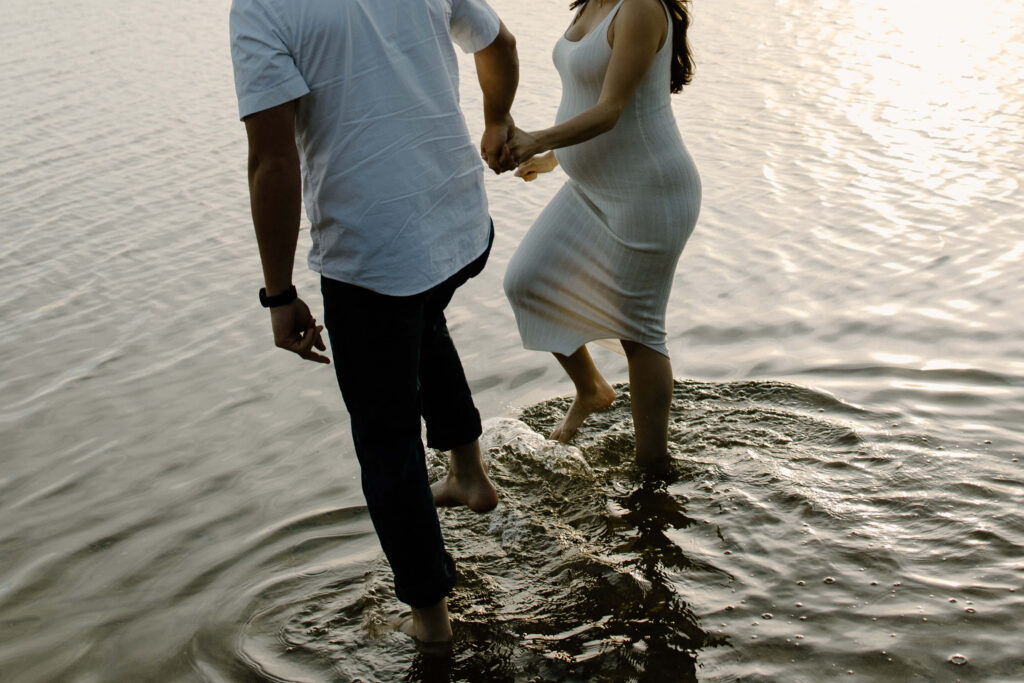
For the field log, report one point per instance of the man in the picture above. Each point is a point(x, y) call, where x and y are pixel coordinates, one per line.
point(357, 102)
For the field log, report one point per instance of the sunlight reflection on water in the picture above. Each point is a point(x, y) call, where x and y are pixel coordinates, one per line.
point(172, 486)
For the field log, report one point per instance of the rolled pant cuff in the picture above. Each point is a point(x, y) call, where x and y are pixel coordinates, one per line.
point(422, 596)
point(470, 431)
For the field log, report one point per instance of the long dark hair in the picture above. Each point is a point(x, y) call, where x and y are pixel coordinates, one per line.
point(682, 58)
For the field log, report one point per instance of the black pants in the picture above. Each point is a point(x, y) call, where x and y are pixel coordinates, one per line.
point(395, 363)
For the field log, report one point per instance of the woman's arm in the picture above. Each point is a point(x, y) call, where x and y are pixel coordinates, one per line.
point(638, 31)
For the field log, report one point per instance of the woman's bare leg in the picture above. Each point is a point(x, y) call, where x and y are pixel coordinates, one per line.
point(593, 393)
point(650, 389)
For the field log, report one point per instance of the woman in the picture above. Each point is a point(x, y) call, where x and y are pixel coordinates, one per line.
point(599, 261)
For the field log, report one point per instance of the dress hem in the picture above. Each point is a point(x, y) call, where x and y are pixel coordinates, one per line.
point(660, 348)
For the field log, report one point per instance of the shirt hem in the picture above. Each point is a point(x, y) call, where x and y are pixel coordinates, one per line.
point(376, 287)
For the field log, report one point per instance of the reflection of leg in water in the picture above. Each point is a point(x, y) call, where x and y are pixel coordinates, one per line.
point(650, 389)
point(593, 393)
point(671, 631)
point(466, 483)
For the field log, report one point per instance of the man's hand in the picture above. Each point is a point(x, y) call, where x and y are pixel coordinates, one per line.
point(494, 148)
point(532, 167)
point(296, 330)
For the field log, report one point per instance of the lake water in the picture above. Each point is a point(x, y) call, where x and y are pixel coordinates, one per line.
point(179, 500)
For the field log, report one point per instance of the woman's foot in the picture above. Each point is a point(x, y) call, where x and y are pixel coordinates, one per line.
point(585, 403)
point(467, 482)
point(658, 467)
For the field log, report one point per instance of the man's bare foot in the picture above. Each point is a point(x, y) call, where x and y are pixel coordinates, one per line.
point(467, 482)
point(478, 494)
point(584, 404)
point(429, 625)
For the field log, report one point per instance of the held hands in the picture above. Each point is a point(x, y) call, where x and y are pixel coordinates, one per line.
point(296, 330)
point(493, 146)
point(505, 147)
point(523, 146)
point(526, 151)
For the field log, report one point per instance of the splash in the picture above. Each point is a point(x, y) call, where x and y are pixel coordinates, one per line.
point(764, 553)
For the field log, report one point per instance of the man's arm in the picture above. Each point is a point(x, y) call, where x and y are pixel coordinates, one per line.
point(497, 68)
point(275, 195)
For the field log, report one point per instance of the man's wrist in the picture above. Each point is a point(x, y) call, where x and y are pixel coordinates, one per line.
point(280, 299)
point(499, 121)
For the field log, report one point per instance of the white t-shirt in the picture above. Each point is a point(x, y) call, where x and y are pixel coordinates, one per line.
point(393, 184)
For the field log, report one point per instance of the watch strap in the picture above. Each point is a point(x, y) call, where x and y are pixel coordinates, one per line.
point(283, 299)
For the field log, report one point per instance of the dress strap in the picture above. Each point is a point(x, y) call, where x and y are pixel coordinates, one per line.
point(615, 10)
point(602, 27)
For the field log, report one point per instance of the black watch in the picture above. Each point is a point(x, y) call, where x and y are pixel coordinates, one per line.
point(283, 299)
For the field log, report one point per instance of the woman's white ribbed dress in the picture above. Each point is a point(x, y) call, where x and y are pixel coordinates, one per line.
point(599, 261)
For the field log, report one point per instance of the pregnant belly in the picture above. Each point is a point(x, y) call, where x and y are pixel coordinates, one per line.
point(625, 164)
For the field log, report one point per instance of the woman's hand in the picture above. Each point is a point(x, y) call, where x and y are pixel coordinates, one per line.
point(523, 146)
point(541, 163)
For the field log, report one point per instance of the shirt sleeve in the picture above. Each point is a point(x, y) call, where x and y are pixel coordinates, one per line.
point(474, 25)
point(265, 70)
